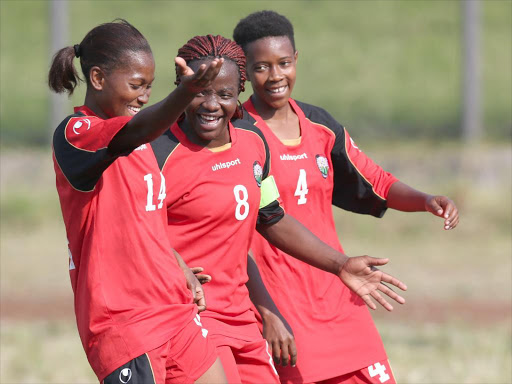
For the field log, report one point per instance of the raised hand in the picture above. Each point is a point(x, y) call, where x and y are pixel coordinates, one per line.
point(196, 82)
point(360, 275)
point(443, 207)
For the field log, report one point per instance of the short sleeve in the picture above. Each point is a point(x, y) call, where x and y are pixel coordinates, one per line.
point(80, 146)
point(360, 185)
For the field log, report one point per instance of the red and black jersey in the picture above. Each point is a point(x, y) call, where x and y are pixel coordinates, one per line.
point(213, 205)
point(130, 294)
point(336, 334)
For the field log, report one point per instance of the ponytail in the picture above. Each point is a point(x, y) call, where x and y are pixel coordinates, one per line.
point(63, 76)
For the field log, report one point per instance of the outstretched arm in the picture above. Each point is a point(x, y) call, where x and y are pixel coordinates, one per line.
point(404, 198)
point(357, 273)
point(152, 121)
point(276, 329)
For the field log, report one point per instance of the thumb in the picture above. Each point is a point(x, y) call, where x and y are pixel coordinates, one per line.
point(377, 261)
point(435, 208)
point(183, 69)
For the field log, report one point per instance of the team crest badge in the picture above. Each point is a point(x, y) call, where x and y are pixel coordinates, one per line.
point(258, 172)
point(323, 165)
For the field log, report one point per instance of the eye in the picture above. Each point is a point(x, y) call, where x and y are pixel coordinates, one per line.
point(286, 63)
point(135, 86)
point(226, 96)
point(260, 68)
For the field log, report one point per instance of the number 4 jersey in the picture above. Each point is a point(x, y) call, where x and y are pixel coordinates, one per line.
point(130, 293)
point(333, 329)
point(215, 198)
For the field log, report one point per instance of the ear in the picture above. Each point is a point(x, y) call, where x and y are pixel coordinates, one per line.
point(296, 56)
point(97, 78)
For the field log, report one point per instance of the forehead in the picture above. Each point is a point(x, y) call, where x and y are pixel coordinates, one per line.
point(137, 64)
point(228, 74)
point(280, 46)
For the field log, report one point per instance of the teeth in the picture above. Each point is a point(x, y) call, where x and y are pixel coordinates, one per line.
point(209, 118)
point(278, 90)
point(134, 109)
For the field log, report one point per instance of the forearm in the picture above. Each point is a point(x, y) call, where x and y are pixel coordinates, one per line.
point(152, 121)
point(257, 290)
point(405, 198)
point(292, 237)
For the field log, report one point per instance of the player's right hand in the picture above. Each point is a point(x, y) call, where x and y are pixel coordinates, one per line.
point(361, 276)
point(196, 82)
point(203, 278)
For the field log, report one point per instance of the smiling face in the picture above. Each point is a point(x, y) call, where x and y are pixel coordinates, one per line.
point(207, 116)
point(125, 89)
point(271, 68)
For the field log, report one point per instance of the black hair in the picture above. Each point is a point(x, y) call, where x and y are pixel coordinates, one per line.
point(261, 24)
point(104, 46)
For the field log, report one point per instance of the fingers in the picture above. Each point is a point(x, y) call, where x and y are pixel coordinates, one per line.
point(393, 280)
point(377, 296)
point(451, 217)
point(392, 294)
point(204, 279)
point(200, 300)
point(206, 73)
point(196, 270)
point(292, 348)
point(285, 356)
point(276, 352)
point(369, 302)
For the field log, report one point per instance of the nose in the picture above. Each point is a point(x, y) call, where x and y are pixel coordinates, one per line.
point(275, 73)
point(210, 102)
point(144, 96)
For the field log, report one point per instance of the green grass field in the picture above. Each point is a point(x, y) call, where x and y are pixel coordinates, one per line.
point(388, 68)
point(454, 328)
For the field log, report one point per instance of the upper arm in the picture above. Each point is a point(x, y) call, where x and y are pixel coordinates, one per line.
point(80, 147)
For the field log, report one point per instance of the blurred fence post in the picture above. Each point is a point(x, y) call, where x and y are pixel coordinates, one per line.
point(59, 36)
point(472, 116)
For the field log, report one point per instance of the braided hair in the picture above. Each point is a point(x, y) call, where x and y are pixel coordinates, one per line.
point(209, 46)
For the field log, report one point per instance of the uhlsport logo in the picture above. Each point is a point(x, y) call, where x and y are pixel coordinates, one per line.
point(80, 124)
point(125, 375)
point(258, 172)
point(323, 165)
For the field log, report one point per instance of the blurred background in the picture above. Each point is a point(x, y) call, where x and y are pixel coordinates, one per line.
point(424, 88)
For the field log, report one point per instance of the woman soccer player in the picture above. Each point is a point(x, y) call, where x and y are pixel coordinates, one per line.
point(136, 318)
point(317, 164)
point(218, 191)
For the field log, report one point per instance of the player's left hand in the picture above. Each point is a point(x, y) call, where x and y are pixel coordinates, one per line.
point(360, 275)
point(443, 207)
point(279, 336)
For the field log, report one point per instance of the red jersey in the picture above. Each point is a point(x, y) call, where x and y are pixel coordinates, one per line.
point(213, 205)
point(130, 294)
point(335, 334)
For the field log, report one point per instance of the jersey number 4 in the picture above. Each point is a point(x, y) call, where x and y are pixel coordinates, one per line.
point(302, 188)
point(161, 195)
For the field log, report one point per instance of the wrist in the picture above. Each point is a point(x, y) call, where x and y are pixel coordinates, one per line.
point(340, 263)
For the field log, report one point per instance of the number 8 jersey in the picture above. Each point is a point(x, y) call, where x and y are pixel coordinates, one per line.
point(214, 200)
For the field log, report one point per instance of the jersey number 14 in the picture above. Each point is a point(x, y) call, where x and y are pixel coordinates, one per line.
point(161, 195)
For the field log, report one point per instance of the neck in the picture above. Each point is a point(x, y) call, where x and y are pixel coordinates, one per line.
point(91, 102)
point(268, 112)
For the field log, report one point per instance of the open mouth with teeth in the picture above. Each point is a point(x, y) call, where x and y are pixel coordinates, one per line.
point(133, 110)
point(209, 120)
point(277, 91)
